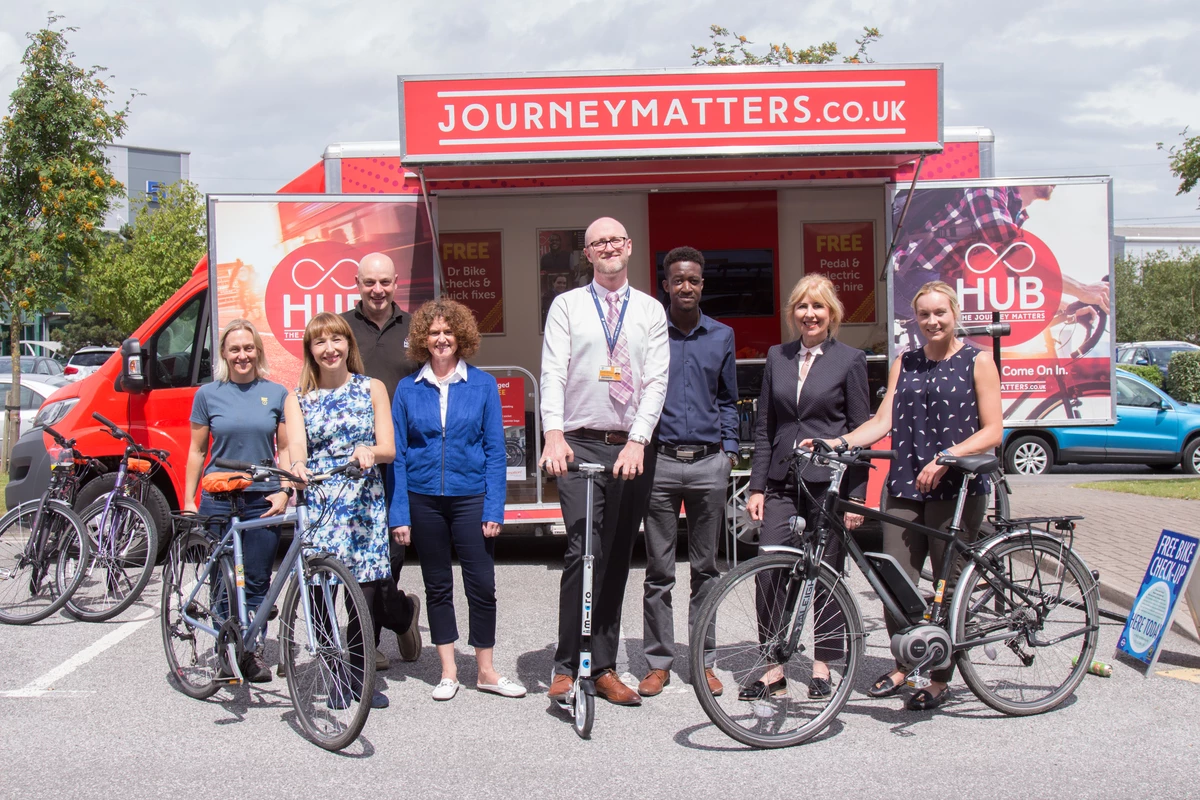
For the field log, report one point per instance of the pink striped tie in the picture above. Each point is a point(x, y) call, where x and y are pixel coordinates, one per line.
point(621, 390)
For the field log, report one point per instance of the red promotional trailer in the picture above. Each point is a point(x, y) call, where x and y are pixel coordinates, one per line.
point(1037, 252)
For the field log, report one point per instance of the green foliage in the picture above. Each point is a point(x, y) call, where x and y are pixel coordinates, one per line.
point(1152, 374)
point(1183, 377)
point(55, 186)
point(1157, 296)
point(137, 271)
point(86, 328)
point(732, 49)
point(1185, 161)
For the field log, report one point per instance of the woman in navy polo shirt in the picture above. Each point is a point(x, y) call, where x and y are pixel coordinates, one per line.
point(450, 484)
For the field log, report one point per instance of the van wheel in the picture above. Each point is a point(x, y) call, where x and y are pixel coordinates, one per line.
point(1028, 455)
point(1191, 457)
point(156, 504)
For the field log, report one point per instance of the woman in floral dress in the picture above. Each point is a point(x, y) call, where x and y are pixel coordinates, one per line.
point(337, 414)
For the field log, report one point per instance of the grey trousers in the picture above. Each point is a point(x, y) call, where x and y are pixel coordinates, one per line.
point(911, 548)
point(701, 486)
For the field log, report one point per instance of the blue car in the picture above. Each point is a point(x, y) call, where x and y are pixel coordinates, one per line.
point(1152, 428)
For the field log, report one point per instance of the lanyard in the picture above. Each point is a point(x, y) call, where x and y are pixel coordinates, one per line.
point(610, 338)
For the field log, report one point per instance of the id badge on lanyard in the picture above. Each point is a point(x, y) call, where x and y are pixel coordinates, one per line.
point(610, 372)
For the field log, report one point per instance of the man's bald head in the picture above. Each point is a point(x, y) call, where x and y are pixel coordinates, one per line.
point(611, 258)
point(376, 281)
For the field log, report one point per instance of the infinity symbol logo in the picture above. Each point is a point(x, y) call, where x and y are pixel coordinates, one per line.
point(1001, 257)
point(326, 275)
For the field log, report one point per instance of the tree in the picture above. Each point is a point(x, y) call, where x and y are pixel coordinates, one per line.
point(1185, 161)
point(1160, 297)
point(55, 186)
point(136, 272)
point(723, 53)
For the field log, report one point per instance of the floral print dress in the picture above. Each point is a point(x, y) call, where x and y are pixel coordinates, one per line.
point(348, 518)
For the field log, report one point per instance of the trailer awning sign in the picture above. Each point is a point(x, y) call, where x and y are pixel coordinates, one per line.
point(868, 108)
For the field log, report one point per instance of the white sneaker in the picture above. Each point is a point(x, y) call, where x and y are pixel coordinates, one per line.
point(446, 689)
point(503, 687)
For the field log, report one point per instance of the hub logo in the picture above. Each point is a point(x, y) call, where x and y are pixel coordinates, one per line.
point(312, 278)
point(1022, 281)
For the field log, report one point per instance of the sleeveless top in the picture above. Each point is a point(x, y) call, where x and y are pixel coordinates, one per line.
point(934, 408)
point(351, 516)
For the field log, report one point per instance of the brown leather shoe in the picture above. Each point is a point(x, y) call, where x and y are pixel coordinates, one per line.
point(609, 686)
point(654, 682)
point(714, 685)
point(560, 687)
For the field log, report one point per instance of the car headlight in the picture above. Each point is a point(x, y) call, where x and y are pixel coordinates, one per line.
point(51, 413)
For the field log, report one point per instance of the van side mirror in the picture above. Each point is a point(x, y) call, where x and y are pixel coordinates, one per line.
point(133, 360)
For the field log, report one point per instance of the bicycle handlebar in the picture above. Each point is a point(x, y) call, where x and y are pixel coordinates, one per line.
point(58, 438)
point(260, 472)
point(117, 432)
point(852, 457)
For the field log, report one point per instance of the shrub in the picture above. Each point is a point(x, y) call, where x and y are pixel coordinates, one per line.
point(1183, 377)
point(1147, 373)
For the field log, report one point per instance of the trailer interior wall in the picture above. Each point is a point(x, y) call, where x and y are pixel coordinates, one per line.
point(518, 217)
point(833, 204)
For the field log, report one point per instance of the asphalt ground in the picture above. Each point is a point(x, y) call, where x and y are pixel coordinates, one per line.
point(87, 712)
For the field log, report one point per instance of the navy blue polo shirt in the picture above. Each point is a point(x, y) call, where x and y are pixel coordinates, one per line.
point(701, 404)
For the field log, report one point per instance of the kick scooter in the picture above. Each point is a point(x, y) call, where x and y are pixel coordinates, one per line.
point(580, 702)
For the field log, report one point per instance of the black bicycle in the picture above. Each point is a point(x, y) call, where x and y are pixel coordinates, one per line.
point(1021, 623)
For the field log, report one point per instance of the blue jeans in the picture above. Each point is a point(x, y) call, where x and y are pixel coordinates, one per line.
point(258, 545)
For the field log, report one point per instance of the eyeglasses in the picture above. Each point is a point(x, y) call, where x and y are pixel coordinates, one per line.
point(616, 243)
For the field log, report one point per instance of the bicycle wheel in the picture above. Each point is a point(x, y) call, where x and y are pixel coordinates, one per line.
point(39, 569)
point(328, 661)
point(1026, 655)
point(192, 650)
point(746, 620)
point(124, 546)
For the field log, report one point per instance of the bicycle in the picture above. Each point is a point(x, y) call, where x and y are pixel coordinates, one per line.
point(123, 537)
point(1021, 624)
point(327, 660)
point(43, 545)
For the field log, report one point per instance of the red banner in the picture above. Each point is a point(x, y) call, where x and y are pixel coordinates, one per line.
point(855, 109)
point(844, 252)
point(471, 264)
point(512, 412)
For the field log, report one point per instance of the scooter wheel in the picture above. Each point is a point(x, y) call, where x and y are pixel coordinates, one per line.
point(584, 713)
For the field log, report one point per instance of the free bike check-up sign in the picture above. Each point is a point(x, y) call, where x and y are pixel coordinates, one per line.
point(1162, 590)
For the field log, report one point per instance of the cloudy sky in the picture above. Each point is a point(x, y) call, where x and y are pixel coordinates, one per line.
point(257, 90)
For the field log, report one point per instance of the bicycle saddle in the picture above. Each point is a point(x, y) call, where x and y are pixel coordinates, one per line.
point(972, 465)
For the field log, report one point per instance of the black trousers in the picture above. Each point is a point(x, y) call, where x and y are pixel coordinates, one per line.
point(619, 506)
point(782, 500)
point(390, 607)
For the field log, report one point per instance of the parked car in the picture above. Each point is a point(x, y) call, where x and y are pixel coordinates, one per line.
point(33, 393)
point(86, 360)
point(1152, 428)
point(39, 368)
point(1157, 354)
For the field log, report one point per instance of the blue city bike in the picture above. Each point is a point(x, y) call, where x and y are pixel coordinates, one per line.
point(326, 640)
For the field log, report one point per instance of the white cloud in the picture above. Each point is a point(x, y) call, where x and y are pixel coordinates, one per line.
point(1145, 98)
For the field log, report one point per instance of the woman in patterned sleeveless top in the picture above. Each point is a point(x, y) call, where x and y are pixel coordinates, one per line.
point(941, 399)
point(336, 414)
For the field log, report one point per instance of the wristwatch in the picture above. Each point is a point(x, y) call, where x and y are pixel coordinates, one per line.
point(733, 457)
point(637, 437)
point(288, 490)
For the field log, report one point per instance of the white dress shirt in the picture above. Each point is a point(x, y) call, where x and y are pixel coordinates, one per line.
point(443, 384)
point(574, 349)
point(800, 374)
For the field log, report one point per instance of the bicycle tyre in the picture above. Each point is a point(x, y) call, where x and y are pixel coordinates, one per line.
point(191, 651)
point(1019, 675)
point(122, 559)
point(32, 590)
point(733, 650)
point(330, 685)
point(583, 713)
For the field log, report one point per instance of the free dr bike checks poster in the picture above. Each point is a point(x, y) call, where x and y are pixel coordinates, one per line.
point(278, 263)
point(1039, 253)
point(844, 252)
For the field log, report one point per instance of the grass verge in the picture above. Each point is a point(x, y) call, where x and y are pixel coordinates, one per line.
point(1176, 488)
point(3, 484)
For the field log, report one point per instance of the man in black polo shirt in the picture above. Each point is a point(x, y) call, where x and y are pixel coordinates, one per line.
point(381, 330)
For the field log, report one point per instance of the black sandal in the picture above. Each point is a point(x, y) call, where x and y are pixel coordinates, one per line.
point(884, 687)
point(925, 700)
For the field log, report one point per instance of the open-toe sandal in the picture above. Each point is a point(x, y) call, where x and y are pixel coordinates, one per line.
point(885, 686)
point(926, 700)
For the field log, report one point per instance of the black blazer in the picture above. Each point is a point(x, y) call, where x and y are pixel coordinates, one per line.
point(834, 402)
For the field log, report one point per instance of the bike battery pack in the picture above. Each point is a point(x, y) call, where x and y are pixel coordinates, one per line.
point(897, 580)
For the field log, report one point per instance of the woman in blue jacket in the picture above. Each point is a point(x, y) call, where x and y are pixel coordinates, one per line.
point(450, 484)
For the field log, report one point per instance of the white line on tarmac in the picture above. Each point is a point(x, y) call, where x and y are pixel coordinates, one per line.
point(40, 687)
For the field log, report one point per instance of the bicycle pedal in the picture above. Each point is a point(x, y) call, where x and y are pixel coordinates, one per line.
point(230, 680)
point(918, 682)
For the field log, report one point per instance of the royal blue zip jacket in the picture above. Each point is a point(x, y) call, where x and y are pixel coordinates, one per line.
point(467, 458)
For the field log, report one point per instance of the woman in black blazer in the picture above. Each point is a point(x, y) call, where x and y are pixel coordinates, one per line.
point(812, 387)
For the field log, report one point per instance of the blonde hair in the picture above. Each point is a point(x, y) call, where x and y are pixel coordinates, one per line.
point(941, 287)
point(818, 287)
point(260, 360)
point(326, 324)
